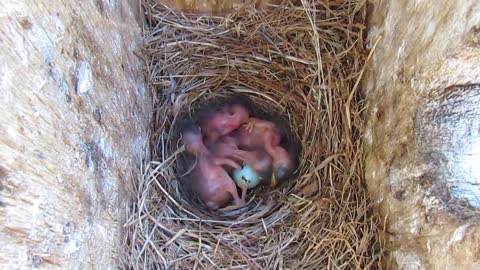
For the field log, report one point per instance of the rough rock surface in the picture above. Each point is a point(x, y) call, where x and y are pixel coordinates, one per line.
point(423, 132)
point(74, 114)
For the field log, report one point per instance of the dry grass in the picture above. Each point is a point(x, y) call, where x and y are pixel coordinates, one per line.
point(304, 61)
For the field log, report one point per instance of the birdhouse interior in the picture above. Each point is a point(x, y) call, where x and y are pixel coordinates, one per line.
point(204, 134)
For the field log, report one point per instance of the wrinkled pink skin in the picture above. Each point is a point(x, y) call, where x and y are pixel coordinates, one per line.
point(265, 134)
point(258, 159)
point(211, 181)
point(262, 162)
point(223, 122)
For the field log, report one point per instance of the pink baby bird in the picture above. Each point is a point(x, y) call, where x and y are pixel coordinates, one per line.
point(258, 159)
point(220, 123)
point(210, 180)
point(265, 134)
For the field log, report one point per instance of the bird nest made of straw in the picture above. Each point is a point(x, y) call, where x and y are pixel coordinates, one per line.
point(303, 61)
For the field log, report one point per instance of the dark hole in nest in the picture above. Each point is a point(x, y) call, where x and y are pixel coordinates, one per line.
point(186, 161)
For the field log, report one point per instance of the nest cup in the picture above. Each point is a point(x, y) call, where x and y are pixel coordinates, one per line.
point(185, 161)
point(301, 62)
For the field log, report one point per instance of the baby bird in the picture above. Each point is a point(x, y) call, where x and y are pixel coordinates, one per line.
point(261, 133)
point(210, 181)
point(257, 163)
point(220, 123)
point(226, 147)
point(255, 133)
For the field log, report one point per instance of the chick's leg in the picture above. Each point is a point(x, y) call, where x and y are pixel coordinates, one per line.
point(244, 191)
point(262, 126)
point(239, 202)
point(249, 126)
point(244, 156)
point(226, 162)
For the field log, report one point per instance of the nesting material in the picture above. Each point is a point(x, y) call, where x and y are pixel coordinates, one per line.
point(302, 61)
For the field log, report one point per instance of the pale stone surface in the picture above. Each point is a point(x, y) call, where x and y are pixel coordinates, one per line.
point(423, 130)
point(74, 114)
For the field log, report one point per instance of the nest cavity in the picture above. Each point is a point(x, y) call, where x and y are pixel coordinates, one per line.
point(302, 61)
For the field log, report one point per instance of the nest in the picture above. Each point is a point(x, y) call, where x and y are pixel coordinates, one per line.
point(185, 161)
point(302, 61)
